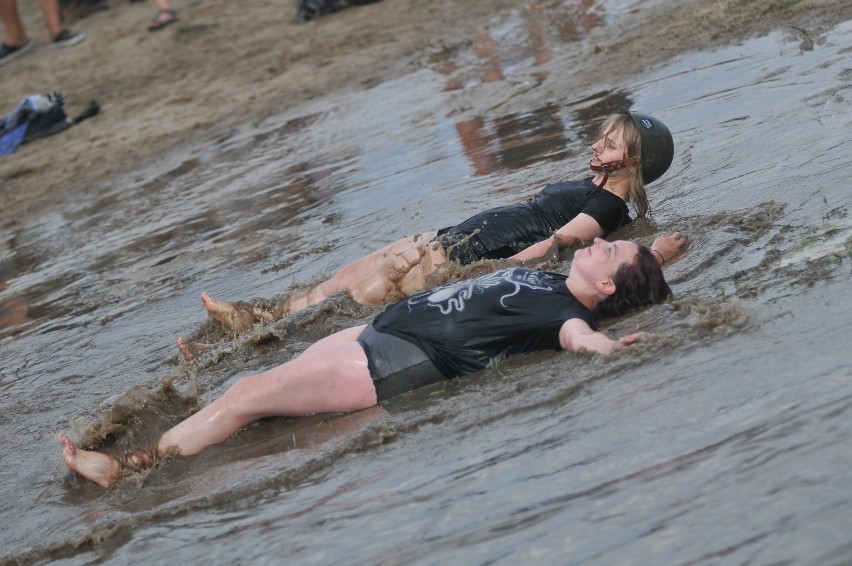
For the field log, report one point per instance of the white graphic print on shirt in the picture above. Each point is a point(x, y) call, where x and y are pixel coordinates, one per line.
point(453, 297)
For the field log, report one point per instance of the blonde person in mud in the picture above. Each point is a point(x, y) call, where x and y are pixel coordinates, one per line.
point(452, 331)
point(633, 149)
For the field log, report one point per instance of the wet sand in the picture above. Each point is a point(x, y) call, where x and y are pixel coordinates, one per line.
point(726, 439)
point(226, 64)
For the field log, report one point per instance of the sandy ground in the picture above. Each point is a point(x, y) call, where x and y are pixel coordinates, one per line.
point(228, 63)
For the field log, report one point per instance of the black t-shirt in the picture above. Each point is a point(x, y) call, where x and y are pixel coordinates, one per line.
point(463, 326)
point(507, 230)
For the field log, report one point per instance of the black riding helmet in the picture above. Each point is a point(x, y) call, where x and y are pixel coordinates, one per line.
point(657, 146)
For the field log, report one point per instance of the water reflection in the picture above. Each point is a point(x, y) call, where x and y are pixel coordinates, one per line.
point(13, 314)
point(515, 141)
point(523, 43)
point(592, 110)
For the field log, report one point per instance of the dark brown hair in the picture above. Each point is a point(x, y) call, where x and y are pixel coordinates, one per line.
point(638, 283)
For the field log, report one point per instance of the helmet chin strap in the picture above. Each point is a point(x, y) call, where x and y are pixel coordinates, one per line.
point(607, 168)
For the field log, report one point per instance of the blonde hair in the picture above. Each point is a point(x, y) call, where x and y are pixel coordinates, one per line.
point(623, 122)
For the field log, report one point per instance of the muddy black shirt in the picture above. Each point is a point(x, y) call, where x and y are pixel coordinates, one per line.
point(507, 230)
point(462, 327)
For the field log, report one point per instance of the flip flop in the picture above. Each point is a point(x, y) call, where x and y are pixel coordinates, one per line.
point(162, 19)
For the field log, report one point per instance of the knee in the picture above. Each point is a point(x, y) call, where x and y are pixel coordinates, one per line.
point(405, 261)
point(375, 291)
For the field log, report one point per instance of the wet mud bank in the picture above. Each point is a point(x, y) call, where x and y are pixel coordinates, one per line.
point(725, 437)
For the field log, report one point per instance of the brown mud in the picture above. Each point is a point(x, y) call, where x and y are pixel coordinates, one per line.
point(226, 64)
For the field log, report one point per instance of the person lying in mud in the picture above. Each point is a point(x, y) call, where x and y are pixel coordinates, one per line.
point(449, 332)
point(633, 150)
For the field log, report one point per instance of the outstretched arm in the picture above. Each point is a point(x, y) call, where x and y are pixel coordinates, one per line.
point(582, 228)
point(576, 336)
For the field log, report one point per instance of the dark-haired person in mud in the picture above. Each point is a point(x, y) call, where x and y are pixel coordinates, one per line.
point(451, 331)
point(633, 149)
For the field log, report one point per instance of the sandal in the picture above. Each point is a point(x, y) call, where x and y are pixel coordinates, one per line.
point(162, 19)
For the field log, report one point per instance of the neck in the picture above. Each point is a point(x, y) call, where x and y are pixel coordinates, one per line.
point(618, 187)
point(581, 291)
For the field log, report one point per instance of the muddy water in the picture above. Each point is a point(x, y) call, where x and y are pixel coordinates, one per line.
point(724, 440)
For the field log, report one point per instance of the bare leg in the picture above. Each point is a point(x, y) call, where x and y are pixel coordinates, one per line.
point(331, 376)
point(15, 34)
point(191, 349)
point(52, 17)
point(332, 341)
point(402, 275)
point(97, 467)
point(395, 271)
point(390, 265)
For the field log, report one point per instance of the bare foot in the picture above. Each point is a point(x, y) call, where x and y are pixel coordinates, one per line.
point(139, 459)
point(227, 314)
point(191, 349)
point(185, 350)
point(94, 466)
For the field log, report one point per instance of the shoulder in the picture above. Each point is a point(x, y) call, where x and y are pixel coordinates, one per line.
point(609, 210)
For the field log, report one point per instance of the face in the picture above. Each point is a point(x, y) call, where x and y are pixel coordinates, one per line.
point(609, 148)
point(599, 261)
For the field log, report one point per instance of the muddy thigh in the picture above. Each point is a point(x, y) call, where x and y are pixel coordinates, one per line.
point(399, 270)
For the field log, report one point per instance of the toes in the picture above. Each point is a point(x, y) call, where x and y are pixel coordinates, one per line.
point(214, 305)
point(68, 447)
point(138, 459)
point(183, 345)
point(233, 316)
point(262, 314)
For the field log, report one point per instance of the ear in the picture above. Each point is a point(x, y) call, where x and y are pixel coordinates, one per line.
point(607, 287)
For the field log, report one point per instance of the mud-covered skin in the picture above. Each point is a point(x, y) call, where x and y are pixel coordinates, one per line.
point(389, 274)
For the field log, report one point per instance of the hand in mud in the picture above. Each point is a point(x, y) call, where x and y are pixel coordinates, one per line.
point(669, 245)
point(632, 339)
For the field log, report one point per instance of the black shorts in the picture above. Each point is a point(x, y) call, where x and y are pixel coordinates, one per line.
point(463, 248)
point(396, 365)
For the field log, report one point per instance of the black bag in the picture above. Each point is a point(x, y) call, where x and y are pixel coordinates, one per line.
point(36, 117)
point(312, 9)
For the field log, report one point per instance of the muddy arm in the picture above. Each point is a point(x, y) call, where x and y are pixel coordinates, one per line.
point(582, 228)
